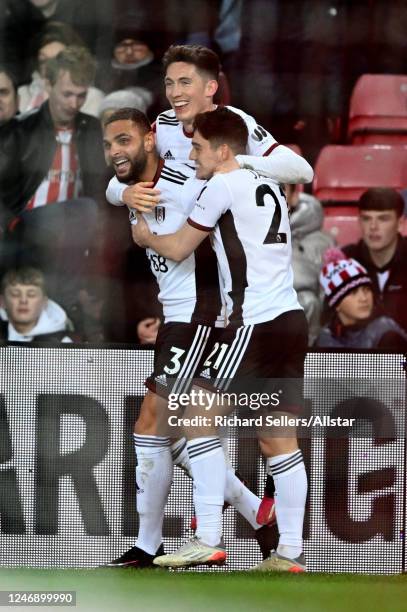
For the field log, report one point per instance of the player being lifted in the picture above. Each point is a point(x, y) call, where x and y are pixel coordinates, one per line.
point(189, 293)
point(266, 337)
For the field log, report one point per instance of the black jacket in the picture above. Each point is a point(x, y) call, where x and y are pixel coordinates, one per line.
point(393, 299)
point(27, 148)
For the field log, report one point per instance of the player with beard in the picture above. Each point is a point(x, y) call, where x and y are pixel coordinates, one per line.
point(189, 293)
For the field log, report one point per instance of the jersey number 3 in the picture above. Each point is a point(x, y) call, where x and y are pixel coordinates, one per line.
point(273, 235)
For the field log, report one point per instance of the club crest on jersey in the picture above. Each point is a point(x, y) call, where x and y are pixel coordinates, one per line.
point(160, 214)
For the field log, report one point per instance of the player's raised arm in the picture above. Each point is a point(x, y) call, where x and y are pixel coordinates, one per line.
point(177, 246)
point(268, 157)
point(281, 165)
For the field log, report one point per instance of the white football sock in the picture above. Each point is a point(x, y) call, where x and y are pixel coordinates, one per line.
point(179, 454)
point(153, 477)
point(241, 498)
point(236, 493)
point(209, 474)
point(290, 480)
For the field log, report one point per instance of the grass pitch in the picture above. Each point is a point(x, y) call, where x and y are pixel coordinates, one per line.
point(117, 590)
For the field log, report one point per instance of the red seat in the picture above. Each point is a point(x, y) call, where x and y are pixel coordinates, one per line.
point(296, 148)
point(343, 173)
point(378, 110)
point(342, 223)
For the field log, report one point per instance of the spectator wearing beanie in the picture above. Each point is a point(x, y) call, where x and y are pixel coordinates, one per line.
point(350, 304)
point(133, 64)
point(134, 97)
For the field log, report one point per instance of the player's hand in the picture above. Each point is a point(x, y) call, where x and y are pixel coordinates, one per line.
point(141, 196)
point(140, 232)
point(147, 330)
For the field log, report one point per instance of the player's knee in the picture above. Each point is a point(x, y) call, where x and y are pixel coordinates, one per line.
point(272, 447)
point(146, 422)
point(144, 427)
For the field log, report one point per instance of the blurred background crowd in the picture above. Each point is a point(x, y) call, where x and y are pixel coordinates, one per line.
point(327, 78)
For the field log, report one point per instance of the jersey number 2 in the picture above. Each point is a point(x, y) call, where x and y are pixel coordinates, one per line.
point(273, 235)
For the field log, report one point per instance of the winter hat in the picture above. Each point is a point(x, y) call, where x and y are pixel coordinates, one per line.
point(340, 276)
point(128, 30)
point(133, 97)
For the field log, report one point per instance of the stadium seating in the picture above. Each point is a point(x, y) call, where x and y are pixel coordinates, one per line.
point(296, 148)
point(378, 110)
point(343, 173)
point(342, 223)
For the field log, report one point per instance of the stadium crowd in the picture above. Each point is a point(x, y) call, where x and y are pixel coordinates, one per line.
point(64, 62)
point(76, 107)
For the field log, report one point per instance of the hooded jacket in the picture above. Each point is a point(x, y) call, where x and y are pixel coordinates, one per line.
point(308, 246)
point(52, 326)
point(379, 333)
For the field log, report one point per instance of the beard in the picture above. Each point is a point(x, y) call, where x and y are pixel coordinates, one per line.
point(137, 167)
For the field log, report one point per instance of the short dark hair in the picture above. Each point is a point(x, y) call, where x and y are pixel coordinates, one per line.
point(57, 31)
point(10, 75)
point(382, 198)
point(223, 126)
point(203, 58)
point(130, 114)
point(77, 61)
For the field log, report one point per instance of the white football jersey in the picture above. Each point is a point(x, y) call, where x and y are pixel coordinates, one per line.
point(188, 290)
point(252, 241)
point(174, 143)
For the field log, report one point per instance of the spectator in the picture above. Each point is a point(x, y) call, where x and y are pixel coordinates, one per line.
point(308, 244)
point(24, 18)
point(30, 146)
point(382, 250)
point(91, 19)
point(8, 95)
point(53, 38)
point(227, 35)
point(134, 97)
point(54, 154)
point(26, 313)
point(133, 64)
point(19, 21)
point(349, 296)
